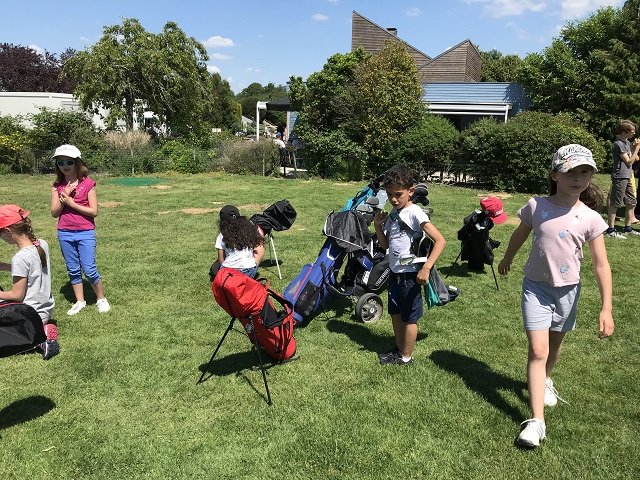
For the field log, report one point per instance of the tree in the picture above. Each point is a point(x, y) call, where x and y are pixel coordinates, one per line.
point(22, 69)
point(130, 70)
point(590, 70)
point(497, 67)
point(255, 93)
point(389, 101)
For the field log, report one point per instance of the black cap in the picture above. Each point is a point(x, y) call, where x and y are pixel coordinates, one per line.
point(228, 212)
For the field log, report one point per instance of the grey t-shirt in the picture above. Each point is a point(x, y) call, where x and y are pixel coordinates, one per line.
point(620, 169)
point(26, 263)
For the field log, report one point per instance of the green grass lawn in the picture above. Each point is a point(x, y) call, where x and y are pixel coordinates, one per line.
point(121, 400)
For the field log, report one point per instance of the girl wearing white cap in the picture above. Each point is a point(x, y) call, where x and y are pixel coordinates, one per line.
point(74, 203)
point(561, 224)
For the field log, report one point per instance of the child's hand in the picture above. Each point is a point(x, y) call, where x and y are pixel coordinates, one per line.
point(606, 324)
point(380, 219)
point(70, 188)
point(423, 276)
point(65, 197)
point(504, 267)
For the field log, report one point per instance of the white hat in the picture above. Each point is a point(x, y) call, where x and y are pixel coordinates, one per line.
point(571, 156)
point(67, 151)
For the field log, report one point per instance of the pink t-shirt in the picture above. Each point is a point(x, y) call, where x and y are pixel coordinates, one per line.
point(71, 219)
point(558, 236)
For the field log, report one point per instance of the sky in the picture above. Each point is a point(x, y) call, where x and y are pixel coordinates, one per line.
point(269, 41)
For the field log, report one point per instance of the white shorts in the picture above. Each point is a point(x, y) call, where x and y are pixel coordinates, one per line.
point(545, 307)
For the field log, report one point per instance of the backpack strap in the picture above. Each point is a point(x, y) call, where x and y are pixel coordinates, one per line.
point(415, 237)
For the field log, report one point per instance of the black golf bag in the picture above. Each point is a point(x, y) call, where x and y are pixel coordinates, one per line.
point(279, 216)
point(21, 328)
point(476, 245)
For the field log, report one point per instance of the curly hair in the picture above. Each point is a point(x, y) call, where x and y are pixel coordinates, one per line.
point(400, 176)
point(239, 233)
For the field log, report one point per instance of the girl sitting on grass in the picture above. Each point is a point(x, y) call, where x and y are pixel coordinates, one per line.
point(561, 223)
point(30, 269)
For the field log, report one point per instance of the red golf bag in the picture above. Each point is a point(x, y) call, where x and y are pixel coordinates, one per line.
point(265, 315)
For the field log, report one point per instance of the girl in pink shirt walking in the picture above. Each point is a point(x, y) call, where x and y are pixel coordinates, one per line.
point(75, 203)
point(561, 224)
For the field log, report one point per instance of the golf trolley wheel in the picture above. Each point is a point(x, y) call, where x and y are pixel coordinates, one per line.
point(369, 308)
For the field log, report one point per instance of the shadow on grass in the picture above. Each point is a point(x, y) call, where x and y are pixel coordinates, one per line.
point(24, 410)
point(89, 295)
point(361, 334)
point(479, 377)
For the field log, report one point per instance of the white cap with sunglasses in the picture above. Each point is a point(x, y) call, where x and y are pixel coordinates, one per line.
point(67, 151)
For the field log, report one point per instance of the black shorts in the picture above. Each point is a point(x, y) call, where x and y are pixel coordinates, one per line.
point(405, 297)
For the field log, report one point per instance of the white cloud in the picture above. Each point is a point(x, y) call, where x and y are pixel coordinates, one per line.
point(37, 49)
point(220, 56)
point(217, 42)
point(413, 12)
point(521, 33)
point(319, 17)
point(505, 8)
point(213, 69)
point(253, 70)
point(333, 1)
point(579, 8)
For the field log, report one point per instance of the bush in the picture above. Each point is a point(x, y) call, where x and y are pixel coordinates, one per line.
point(333, 155)
point(183, 158)
point(52, 128)
point(428, 147)
point(515, 156)
point(244, 156)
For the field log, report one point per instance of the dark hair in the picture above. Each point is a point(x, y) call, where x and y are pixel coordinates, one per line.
point(81, 168)
point(592, 196)
point(239, 233)
point(23, 227)
point(398, 175)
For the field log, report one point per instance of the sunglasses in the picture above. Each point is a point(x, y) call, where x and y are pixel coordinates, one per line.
point(66, 163)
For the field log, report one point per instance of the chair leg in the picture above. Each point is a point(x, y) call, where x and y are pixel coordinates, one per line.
point(455, 262)
point(275, 255)
point(257, 347)
point(229, 328)
point(495, 279)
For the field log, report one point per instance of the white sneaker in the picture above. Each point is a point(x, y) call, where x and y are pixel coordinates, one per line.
point(103, 305)
point(615, 234)
point(631, 232)
point(551, 396)
point(534, 430)
point(76, 307)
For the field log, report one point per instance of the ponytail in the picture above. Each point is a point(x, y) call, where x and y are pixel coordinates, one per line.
point(23, 227)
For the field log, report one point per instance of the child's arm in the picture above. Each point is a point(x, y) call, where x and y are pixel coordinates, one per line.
point(91, 210)
point(438, 246)
point(518, 237)
point(258, 253)
point(17, 292)
point(378, 222)
point(635, 148)
point(56, 204)
point(220, 258)
point(602, 271)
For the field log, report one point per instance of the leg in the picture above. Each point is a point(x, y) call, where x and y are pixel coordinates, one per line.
point(555, 346)
point(87, 252)
point(71, 255)
point(536, 370)
point(611, 211)
point(407, 339)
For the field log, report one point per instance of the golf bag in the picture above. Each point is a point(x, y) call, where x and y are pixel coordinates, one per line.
point(279, 216)
point(476, 245)
point(346, 232)
point(254, 304)
point(21, 328)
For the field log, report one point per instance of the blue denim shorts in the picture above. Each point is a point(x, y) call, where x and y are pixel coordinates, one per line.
point(405, 297)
